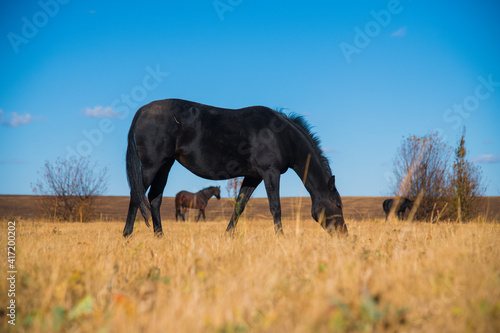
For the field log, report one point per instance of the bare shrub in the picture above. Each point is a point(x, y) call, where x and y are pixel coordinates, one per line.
point(421, 167)
point(232, 187)
point(422, 170)
point(68, 188)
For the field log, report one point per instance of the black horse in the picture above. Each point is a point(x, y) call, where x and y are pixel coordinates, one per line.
point(198, 200)
point(214, 143)
point(403, 203)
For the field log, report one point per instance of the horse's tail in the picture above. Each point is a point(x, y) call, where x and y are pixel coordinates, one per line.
point(134, 176)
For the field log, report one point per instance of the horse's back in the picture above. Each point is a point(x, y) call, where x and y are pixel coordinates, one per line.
point(180, 193)
point(187, 109)
point(180, 197)
point(213, 142)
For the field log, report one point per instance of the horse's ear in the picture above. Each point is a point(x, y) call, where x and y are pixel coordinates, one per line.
point(331, 183)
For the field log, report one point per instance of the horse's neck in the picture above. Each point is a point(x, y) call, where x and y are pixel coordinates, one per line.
point(204, 195)
point(308, 167)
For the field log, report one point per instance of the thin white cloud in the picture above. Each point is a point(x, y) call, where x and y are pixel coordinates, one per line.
point(16, 120)
point(328, 150)
point(101, 112)
point(487, 159)
point(401, 32)
point(11, 161)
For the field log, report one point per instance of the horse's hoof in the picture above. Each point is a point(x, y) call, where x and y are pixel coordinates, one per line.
point(159, 234)
point(231, 232)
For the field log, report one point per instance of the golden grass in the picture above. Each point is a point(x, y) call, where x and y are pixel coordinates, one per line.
point(405, 277)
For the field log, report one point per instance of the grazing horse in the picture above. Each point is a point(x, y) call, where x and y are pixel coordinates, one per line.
point(256, 143)
point(404, 203)
point(198, 200)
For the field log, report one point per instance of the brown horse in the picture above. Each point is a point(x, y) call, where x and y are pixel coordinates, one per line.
point(198, 200)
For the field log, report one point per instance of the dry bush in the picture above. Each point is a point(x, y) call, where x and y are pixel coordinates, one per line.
point(423, 173)
point(421, 168)
point(68, 189)
point(233, 186)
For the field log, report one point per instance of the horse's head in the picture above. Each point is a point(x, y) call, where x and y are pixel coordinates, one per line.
point(327, 210)
point(217, 192)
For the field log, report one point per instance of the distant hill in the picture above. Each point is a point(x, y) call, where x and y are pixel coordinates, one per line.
point(112, 208)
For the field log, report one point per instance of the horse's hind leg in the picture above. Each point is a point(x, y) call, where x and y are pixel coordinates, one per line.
point(132, 212)
point(135, 203)
point(178, 208)
point(155, 195)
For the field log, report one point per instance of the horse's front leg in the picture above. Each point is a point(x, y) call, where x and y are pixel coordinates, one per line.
point(247, 187)
point(272, 182)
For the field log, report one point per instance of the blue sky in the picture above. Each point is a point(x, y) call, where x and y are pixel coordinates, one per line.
point(364, 75)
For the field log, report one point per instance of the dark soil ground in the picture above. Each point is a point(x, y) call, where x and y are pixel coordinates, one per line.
point(111, 208)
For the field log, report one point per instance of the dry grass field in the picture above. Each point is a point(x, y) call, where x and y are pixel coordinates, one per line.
point(384, 277)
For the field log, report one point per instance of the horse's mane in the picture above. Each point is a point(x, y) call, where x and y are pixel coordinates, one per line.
point(208, 187)
point(302, 125)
